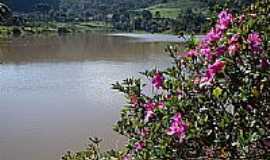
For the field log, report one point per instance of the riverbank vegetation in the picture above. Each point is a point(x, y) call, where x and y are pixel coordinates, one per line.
point(214, 103)
point(154, 16)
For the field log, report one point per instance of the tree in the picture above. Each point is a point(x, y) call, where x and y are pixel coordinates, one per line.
point(157, 14)
point(5, 13)
point(147, 15)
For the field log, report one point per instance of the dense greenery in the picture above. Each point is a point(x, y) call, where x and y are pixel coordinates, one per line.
point(214, 103)
point(170, 16)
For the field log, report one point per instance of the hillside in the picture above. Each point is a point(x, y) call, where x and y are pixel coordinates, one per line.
point(124, 15)
point(28, 5)
point(108, 6)
point(168, 8)
point(172, 8)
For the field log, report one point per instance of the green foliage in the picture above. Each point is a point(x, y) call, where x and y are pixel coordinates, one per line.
point(92, 153)
point(226, 118)
point(173, 16)
point(214, 103)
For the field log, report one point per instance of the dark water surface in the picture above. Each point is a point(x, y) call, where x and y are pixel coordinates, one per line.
point(55, 91)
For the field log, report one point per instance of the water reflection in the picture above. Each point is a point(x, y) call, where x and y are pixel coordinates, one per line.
point(88, 47)
point(55, 91)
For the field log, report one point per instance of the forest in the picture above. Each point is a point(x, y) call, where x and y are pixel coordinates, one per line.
point(154, 16)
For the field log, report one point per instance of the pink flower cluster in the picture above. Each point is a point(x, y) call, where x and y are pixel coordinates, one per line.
point(234, 46)
point(150, 107)
point(255, 41)
point(224, 21)
point(138, 146)
point(206, 49)
point(220, 51)
point(158, 80)
point(215, 34)
point(211, 72)
point(192, 53)
point(178, 128)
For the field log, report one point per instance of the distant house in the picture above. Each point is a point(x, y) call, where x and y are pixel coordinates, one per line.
point(109, 17)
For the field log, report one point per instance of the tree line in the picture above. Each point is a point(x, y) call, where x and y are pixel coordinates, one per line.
point(124, 15)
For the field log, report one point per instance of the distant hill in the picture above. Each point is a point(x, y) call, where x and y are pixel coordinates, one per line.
point(27, 5)
point(167, 8)
point(128, 15)
point(104, 5)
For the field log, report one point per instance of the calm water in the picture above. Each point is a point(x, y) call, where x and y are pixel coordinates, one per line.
point(55, 91)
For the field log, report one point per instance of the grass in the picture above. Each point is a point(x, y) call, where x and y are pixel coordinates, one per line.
point(172, 8)
point(166, 12)
point(52, 28)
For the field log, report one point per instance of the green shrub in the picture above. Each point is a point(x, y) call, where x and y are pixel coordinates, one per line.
point(213, 103)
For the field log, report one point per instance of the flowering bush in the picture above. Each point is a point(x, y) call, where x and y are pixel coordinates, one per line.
point(215, 101)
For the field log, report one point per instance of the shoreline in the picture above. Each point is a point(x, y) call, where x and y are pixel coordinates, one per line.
point(156, 37)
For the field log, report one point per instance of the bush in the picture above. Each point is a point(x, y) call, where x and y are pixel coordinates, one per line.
point(213, 103)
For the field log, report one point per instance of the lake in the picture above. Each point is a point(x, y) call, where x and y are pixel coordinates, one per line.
point(55, 92)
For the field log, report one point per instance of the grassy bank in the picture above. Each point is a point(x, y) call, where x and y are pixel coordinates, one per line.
point(171, 9)
point(54, 28)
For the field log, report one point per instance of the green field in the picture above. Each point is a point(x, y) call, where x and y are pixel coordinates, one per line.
point(172, 8)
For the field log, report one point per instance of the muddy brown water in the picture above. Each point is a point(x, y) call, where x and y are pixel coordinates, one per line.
point(55, 91)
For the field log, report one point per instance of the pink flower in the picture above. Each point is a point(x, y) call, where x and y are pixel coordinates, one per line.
point(149, 114)
point(217, 66)
point(220, 51)
point(161, 105)
point(139, 145)
point(232, 49)
point(265, 63)
point(208, 77)
point(178, 128)
point(177, 117)
point(234, 39)
point(192, 53)
point(127, 157)
point(144, 132)
point(158, 80)
point(207, 53)
point(224, 21)
point(241, 19)
point(255, 41)
point(149, 107)
point(168, 96)
point(212, 71)
point(213, 35)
